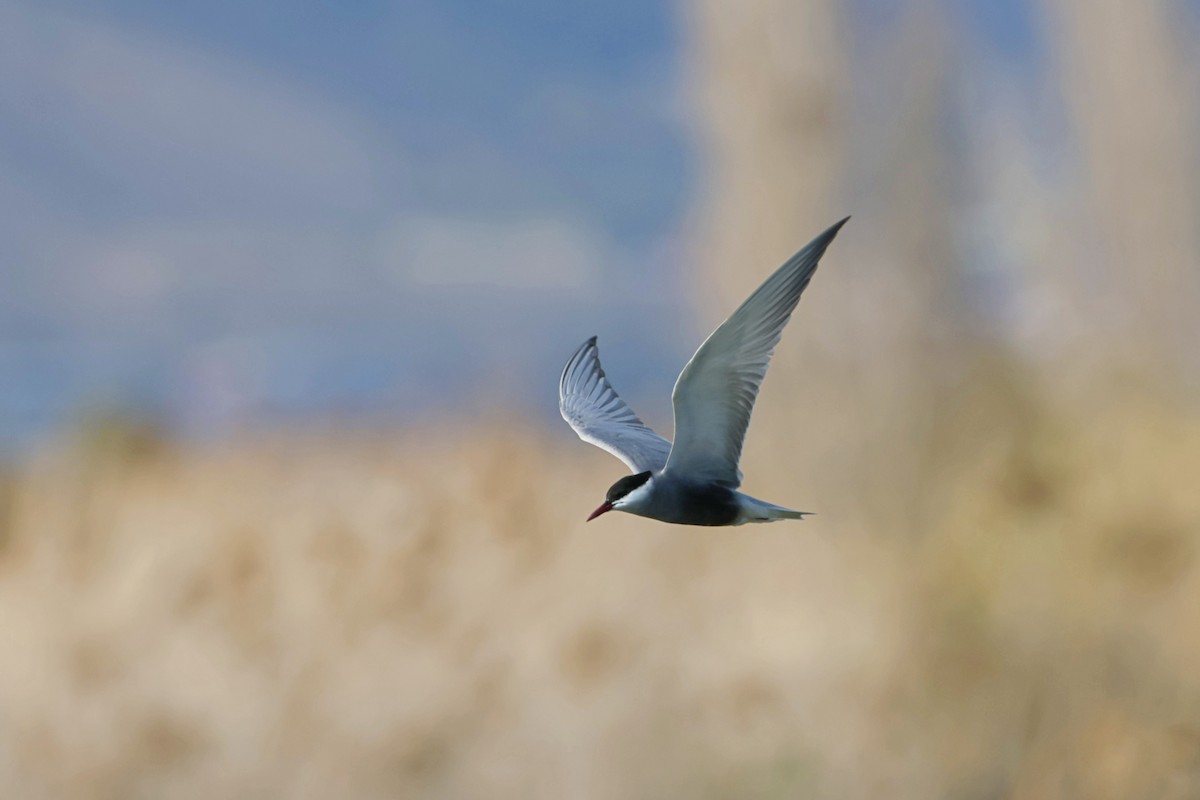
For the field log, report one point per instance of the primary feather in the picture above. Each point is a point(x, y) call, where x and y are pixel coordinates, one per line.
point(593, 408)
point(715, 393)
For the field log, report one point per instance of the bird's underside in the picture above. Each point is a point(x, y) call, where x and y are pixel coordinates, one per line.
point(710, 505)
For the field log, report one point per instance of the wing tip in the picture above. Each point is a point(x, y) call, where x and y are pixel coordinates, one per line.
point(833, 229)
point(579, 351)
point(573, 361)
point(811, 253)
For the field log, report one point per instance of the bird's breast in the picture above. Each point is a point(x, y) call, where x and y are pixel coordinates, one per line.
point(691, 504)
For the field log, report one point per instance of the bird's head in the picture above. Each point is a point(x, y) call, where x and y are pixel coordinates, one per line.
point(622, 493)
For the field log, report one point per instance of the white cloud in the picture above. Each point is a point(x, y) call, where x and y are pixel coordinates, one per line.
point(228, 270)
point(538, 252)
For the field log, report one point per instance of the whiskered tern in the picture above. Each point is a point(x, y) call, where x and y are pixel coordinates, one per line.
point(694, 481)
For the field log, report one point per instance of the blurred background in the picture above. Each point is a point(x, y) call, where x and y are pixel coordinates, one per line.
point(286, 507)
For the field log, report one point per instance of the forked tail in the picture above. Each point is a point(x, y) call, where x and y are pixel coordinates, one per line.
point(787, 513)
point(755, 510)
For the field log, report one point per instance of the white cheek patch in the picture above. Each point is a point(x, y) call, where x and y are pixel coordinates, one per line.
point(636, 497)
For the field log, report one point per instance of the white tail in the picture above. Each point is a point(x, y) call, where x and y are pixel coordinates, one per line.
point(754, 510)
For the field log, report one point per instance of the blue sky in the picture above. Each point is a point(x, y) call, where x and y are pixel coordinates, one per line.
point(222, 213)
point(219, 212)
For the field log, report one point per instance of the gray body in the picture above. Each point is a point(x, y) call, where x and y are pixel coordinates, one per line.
point(695, 480)
point(686, 503)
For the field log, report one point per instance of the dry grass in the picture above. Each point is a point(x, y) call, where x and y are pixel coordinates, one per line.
point(394, 617)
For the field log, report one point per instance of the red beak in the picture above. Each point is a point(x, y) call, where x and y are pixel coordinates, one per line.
point(604, 508)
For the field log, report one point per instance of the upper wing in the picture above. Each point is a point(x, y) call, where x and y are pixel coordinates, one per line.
point(715, 392)
point(591, 406)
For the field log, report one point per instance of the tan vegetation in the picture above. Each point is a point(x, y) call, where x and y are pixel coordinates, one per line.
point(355, 616)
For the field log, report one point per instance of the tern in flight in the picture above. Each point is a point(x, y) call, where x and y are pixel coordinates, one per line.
point(693, 481)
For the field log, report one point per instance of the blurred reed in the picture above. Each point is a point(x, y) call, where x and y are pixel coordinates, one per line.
point(378, 617)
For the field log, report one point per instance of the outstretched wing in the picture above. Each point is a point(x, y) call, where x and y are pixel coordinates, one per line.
point(716, 391)
point(592, 407)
